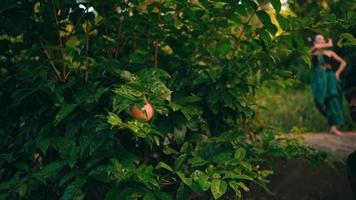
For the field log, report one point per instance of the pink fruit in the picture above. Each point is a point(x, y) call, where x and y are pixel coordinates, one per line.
point(145, 113)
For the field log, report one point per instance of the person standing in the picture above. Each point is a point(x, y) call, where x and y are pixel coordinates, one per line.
point(325, 83)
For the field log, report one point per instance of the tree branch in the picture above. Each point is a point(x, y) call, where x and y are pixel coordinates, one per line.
point(58, 73)
point(59, 39)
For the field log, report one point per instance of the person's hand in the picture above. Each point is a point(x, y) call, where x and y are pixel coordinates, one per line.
point(330, 42)
point(337, 76)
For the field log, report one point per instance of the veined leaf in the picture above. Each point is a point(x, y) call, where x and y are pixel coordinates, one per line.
point(218, 188)
point(240, 153)
point(149, 196)
point(164, 166)
point(187, 181)
point(43, 144)
point(346, 39)
point(114, 120)
point(50, 170)
point(163, 196)
point(72, 189)
point(64, 112)
point(235, 187)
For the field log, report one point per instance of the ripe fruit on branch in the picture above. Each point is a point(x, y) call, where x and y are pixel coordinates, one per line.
point(145, 113)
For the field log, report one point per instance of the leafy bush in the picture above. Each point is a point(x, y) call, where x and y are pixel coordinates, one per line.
point(71, 72)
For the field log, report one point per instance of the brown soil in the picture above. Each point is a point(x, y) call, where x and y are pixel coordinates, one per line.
point(340, 146)
point(298, 179)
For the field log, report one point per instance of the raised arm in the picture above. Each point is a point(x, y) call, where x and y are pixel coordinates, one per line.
point(341, 66)
point(329, 44)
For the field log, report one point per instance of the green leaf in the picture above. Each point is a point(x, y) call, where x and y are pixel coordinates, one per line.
point(224, 46)
point(244, 177)
point(346, 39)
point(187, 181)
point(149, 196)
point(183, 192)
point(169, 151)
point(180, 160)
point(149, 73)
point(276, 5)
point(218, 188)
point(265, 36)
point(240, 154)
point(263, 16)
point(282, 21)
point(250, 3)
point(22, 190)
point(113, 194)
point(114, 120)
point(127, 75)
point(197, 161)
point(67, 177)
point(50, 170)
point(43, 144)
point(266, 20)
point(23, 166)
point(246, 165)
point(241, 10)
point(184, 100)
point(145, 175)
point(73, 188)
point(7, 185)
point(64, 112)
point(73, 42)
point(221, 157)
point(243, 186)
point(164, 166)
point(202, 179)
point(179, 134)
point(235, 187)
point(163, 195)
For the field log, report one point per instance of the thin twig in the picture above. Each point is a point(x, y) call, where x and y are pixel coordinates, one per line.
point(118, 48)
point(58, 73)
point(86, 76)
point(156, 43)
point(243, 28)
point(59, 39)
point(248, 21)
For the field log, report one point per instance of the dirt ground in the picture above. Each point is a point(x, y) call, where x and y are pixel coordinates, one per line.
point(340, 146)
point(297, 179)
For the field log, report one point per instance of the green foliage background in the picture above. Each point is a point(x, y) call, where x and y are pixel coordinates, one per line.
point(69, 76)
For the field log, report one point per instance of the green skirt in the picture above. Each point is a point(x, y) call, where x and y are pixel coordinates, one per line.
point(327, 95)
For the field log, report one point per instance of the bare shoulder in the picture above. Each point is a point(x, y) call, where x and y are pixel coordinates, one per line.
point(329, 53)
point(334, 55)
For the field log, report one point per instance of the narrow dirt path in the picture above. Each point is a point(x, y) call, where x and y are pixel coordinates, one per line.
point(297, 179)
point(341, 146)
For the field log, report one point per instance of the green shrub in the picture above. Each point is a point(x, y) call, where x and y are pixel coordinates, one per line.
point(71, 76)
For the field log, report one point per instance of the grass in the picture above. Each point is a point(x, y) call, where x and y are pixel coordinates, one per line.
point(291, 109)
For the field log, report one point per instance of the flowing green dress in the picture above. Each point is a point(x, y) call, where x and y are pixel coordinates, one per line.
point(326, 90)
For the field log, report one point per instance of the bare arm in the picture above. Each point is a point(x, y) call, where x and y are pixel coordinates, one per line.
point(341, 61)
point(322, 46)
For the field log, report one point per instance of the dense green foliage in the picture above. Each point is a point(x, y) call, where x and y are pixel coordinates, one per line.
point(69, 76)
point(286, 105)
